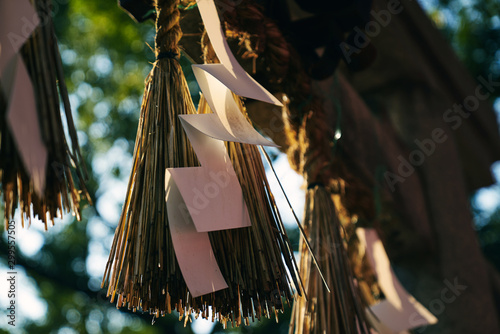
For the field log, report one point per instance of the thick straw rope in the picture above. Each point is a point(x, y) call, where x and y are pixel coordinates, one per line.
point(168, 30)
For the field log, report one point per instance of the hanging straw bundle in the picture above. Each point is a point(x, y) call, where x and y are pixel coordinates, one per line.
point(339, 311)
point(310, 152)
point(43, 61)
point(142, 270)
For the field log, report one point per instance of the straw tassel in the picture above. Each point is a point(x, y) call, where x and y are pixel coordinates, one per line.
point(62, 193)
point(142, 269)
point(341, 310)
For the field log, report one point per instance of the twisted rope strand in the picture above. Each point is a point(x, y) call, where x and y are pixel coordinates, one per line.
point(168, 29)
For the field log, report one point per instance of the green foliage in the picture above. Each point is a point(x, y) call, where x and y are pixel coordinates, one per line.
point(473, 28)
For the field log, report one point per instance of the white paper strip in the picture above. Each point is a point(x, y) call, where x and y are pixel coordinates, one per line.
point(231, 74)
point(212, 192)
point(193, 249)
point(378, 326)
point(18, 19)
point(400, 311)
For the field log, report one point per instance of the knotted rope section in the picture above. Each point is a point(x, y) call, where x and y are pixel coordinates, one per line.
point(168, 29)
